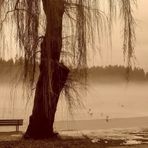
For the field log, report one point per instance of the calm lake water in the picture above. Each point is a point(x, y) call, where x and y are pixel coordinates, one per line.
point(102, 103)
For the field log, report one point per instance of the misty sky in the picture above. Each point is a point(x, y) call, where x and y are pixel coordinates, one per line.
point(115, 56)
point(142, 34)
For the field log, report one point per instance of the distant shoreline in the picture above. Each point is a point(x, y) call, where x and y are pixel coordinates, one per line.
point(9, 71)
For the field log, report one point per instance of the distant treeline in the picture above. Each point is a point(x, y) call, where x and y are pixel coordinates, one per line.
point(10, 70)
point(116, 72)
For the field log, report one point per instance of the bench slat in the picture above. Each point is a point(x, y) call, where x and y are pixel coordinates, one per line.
point(11, 122)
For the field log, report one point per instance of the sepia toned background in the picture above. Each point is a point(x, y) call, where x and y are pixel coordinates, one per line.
point(103, 100)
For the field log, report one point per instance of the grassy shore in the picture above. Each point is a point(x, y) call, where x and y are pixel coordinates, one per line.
point(71, 143)
point(15, 140)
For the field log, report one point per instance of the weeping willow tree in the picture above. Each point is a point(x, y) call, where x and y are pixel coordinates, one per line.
point(60, 34)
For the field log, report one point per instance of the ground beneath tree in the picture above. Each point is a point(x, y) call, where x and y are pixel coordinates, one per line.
point(113, 138)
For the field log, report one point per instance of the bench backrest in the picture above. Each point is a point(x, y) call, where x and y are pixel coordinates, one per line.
point(11, 122)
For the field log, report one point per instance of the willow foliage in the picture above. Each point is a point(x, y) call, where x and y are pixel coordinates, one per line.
point(84, 24)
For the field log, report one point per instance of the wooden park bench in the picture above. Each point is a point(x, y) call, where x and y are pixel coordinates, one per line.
point(11, 122)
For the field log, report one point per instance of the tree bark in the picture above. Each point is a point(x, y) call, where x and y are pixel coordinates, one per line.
point(53, 74)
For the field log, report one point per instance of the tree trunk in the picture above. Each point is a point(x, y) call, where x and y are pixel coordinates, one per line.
point(53, 74)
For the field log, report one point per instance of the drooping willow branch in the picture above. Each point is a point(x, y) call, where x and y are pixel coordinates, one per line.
point(84, 25)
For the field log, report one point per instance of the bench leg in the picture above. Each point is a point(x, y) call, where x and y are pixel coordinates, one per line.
point(17, 128)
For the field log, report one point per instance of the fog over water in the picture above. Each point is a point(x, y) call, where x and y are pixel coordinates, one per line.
point(102, 101)
point(119, 100)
